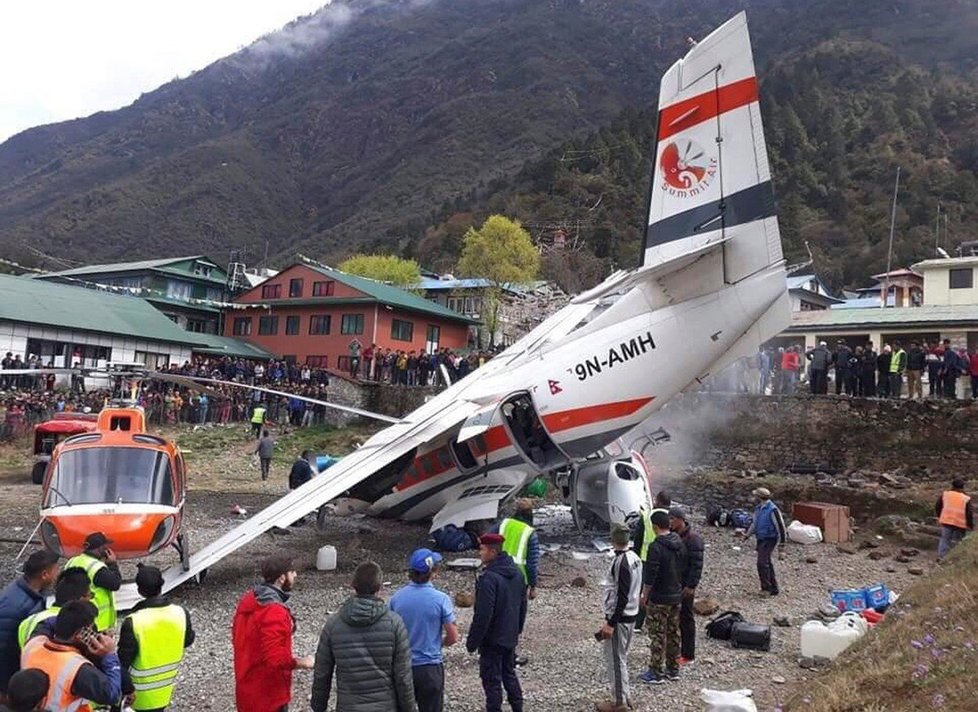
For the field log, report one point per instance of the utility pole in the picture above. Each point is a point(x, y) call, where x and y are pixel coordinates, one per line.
point(937, 229)
point(889, 253)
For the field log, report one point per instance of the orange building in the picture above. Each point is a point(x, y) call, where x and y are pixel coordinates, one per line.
point(310, 314)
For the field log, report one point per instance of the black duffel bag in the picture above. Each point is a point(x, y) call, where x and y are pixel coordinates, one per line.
point(722, 626)
point(751, 636)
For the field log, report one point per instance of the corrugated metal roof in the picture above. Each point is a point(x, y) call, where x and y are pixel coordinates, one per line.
point(229, 346)
point(438, 284)
point(868, 318)
point(34, 301)
point(159, 265)
point(387, 294)
point(865, 302)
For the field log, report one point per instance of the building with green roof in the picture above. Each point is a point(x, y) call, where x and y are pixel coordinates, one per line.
point(63, 325)
point(189, 290)
point(311, 314)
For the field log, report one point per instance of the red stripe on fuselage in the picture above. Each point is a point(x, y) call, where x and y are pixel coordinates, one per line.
point(497, 438)
point(567, 419)
point(702, 107)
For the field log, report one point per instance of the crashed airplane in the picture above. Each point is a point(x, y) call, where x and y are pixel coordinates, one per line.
point(710, 290)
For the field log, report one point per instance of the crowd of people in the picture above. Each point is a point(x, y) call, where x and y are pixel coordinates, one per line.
point(411, 368)
point(31, 399)
point(376, 654)
point(897, 370)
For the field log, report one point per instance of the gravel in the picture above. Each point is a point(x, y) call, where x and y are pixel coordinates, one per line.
point(565, 670)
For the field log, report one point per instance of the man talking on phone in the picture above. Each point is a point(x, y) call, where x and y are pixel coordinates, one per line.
point(67, 659)
point(99, 563)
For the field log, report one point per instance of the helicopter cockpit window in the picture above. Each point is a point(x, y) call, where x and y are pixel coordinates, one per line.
point(110, 475)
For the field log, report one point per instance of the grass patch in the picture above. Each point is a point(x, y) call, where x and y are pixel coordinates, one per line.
point(923, 656)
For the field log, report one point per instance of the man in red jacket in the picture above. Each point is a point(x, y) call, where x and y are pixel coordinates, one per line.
point(261, 635)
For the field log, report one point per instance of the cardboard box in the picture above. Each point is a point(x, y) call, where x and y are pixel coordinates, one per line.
point(832, 519)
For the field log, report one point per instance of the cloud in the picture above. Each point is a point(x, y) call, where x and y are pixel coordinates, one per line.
point(64, 59)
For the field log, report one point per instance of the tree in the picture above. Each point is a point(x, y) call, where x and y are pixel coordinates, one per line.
point(501, 252)
point(383, 268)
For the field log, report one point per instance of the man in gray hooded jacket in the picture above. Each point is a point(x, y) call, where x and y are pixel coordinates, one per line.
point(368, 646)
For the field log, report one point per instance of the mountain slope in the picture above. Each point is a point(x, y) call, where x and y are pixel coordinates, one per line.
point(364, 123)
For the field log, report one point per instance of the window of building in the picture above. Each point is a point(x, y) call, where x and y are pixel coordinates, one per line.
point(175, 289)
point(198, 291)
point(267, 325)
point(431, 338)
point(153, 360)
point(198, 326)
point(352, 324)
point(271, 291)
point(291, 325)
point(242, 326)
point(456, 303)
point(402, 330)
point(343, 363)
point(204, 270)
point(90, 355)
point(323, 289)
point(295, 288)
point(961, 278)
point(317, 361)
point(319, 324)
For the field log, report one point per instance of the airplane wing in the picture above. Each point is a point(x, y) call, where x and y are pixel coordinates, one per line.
point(381, 450)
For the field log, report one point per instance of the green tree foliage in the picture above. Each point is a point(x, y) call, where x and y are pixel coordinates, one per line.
point(502, 252)
point(384, 268)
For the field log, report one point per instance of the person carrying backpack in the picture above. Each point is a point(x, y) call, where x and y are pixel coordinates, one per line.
point(768, 527)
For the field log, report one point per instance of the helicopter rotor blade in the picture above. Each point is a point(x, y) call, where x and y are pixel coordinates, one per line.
point(192, 381)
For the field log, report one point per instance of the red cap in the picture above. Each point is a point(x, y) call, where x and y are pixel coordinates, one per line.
point(491, 539)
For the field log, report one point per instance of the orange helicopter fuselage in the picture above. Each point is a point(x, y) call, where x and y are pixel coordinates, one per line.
point(119, 480)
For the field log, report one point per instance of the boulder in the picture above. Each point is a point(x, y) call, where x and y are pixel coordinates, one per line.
point(876, 555)
point(916, 571)
point(579, 582)
point(846, 548)
point(464, 599)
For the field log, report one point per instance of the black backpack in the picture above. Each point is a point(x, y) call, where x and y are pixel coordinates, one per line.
point(717, 516)
point(722, 626)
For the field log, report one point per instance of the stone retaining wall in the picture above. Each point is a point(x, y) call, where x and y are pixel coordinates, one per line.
point(827, 433)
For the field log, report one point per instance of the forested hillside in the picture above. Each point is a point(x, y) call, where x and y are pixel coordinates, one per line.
point(396, 123)
point(839, 119)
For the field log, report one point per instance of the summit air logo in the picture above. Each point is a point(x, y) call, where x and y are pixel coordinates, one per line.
point(686, 168)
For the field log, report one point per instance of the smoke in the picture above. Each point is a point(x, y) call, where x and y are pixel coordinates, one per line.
point(306, 33)
point(690, 419)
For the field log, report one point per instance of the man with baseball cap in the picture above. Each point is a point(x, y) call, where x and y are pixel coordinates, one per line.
point(497, 622)
point(427, 613)
point(768, 527)
point(99, 563)
point(151, 644)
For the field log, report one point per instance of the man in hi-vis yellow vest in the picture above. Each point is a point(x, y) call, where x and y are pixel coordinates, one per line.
point(151, 645)
point(99, 563)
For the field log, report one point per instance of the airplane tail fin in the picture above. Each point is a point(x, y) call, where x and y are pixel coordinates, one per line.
point(711, 180)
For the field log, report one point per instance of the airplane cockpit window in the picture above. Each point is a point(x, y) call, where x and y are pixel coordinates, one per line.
point(110, 475)
point(626, 472)
point(463, 454)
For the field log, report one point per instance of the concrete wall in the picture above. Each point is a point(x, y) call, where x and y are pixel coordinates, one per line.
point(777, 433)
point(396, 401)
point(937, 288)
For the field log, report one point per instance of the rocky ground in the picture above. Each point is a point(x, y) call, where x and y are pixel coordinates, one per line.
point(565, 672)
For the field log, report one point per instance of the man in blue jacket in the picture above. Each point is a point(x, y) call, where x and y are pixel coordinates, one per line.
point(22, 598)
point(497, 622)
point(768, 527)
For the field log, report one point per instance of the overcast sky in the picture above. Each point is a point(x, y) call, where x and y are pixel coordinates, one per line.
point(61, 59)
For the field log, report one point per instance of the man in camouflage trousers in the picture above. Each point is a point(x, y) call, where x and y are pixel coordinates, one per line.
point(662, 592)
